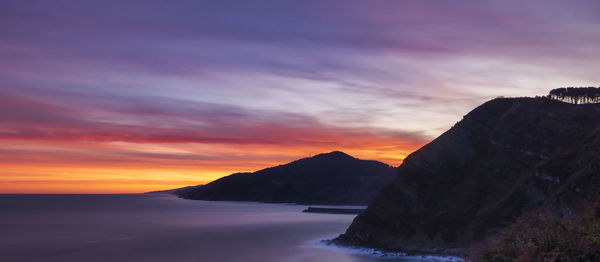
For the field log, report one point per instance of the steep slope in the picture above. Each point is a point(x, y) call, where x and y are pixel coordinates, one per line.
point(331, 178)
point(505, 157)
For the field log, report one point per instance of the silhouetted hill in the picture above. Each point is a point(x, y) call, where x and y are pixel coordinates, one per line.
point(331, 178)
point(507, 156)
point(175, 190)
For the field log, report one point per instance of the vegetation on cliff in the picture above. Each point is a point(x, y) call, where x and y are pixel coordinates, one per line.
point(540, 236)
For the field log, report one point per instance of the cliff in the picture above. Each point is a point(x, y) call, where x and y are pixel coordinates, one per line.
point(508, 156)
point(332, 178)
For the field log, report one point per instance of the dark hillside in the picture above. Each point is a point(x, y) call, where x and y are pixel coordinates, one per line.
point(331, 178)
point(506, 157)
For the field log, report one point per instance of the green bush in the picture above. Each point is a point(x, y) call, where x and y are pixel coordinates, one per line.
point(538, 236)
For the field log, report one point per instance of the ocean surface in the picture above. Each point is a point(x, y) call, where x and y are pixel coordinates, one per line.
point(160, 227)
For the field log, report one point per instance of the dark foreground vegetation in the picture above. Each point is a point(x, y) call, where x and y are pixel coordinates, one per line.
point(539, 236)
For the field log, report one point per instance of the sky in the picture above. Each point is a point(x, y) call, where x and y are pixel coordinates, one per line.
point(133, 96)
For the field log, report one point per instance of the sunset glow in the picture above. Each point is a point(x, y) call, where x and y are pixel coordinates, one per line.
point(147, 95)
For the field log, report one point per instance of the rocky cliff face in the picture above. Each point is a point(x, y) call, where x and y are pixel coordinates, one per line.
point(331, 178)
point(505, 157)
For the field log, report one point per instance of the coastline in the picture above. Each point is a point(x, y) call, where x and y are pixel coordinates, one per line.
point(379, 253)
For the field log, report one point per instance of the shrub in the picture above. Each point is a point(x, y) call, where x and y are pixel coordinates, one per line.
point(538, 236)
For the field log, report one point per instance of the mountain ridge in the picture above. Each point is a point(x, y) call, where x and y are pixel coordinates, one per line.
point(506, 157)
point(328, 178)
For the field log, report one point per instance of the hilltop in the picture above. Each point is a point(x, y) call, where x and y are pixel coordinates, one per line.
point(504, 158)
point(332, 178)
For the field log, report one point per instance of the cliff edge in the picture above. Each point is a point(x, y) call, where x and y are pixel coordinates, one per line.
point(507, 156)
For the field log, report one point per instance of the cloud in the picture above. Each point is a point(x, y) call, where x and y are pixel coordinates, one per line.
point(139, 121)
point(264, 82)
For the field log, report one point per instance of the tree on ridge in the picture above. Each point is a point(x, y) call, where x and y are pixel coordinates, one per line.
point(576, 95)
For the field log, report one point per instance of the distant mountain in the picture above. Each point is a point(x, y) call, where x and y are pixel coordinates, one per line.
point(332, 178)
point(506, 157)
point(175, 190)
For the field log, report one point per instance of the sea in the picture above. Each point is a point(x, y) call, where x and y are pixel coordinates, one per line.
point(162, 227)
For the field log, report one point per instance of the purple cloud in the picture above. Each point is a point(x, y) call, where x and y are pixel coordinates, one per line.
point(293, 73)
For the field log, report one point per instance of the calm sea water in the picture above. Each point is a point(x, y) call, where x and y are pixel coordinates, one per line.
point(157, 227)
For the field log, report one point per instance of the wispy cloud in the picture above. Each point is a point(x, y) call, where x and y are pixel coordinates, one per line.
point(212, 80)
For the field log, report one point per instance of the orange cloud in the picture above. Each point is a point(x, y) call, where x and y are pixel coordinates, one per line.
point(40, 166)
point(50, 148)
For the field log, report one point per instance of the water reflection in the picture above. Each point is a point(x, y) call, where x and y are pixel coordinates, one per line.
point(164, 228)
